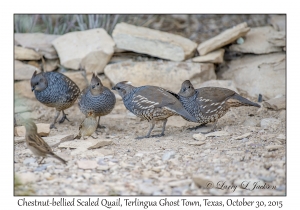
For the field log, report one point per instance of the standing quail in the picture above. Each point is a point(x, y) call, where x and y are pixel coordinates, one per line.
point(96, 98)
point(36, 144)
point(151, 103)
point(88, 126)
point(208, 104)
point(56, 90)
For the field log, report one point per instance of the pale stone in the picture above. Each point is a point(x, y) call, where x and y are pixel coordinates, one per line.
point(275, 103)
point(90, 49)
point(217, 133)
point(87, 164)
point(203, 181)
point(101, 143)
point(22, 53)
point(269, 123)
point(176, 121)
point(273, 147)
point(39, 42)
point(258, 74)
point(27, 177)
point(242, 136)
point(23, 89)
point(50, 64)
point(197, 143)
point(153, 42)
point(278, 22)
point(199, 137)
point(212, 57)
point(261, 40)
point(226, 37)
point(24, 71)
point(166, 74)
point(229, 84)
point(43, 129)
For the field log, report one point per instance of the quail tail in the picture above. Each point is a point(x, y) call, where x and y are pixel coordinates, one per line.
point(244, 101)
point(181, 111)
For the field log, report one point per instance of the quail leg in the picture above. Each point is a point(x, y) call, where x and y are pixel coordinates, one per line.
point(148, 134)
point(100, 126)
point(55, 118)
point(64, 117)
point(213, 128)
point(163, 129)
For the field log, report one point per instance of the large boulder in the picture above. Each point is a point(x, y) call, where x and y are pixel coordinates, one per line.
point(24, 71)
point(22, 53)
point(90, 49)
point(261, 40)
point(226, 37)
point(166, 74)
point(39, 42)
point(258, 74)
point(153, 42)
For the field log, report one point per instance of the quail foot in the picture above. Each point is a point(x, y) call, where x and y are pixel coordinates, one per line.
point(36, 144)
point(54, 89)
point(151, 103)
point(208, 104)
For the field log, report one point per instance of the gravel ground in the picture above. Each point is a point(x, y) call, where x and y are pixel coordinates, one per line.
point(175, 164)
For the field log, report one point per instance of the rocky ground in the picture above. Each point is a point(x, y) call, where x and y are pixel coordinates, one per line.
point(245, 149)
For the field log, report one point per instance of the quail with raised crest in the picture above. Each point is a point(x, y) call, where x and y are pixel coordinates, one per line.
point(208, 104)
point(151, 103)
point(36, 144)
point(96, 98)
point(54, 89)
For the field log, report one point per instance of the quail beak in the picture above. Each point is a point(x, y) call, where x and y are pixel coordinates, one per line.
point(113, 88)
point(32, 89)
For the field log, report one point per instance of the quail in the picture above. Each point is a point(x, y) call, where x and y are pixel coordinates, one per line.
point(56, 90)
point(36, 144)
point(88, 126)
point(208, 104)
point(151, 103)
point(96, 98)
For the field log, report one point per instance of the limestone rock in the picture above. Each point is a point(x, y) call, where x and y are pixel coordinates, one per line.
point(275, 103)
point(23, 89)
point(229, 84)
point(278, 22)
point(39, 42)
point(202, 181)
point(22, 53)
point(90, 49)
point(166, 74)
point(263, 74)
point(226, 37)
point(269, 123)
point(24, 71)
point(77, 77)
point(199, 137)
point(27, 177)
point(153, 42)
point(50, 64)
point(217, 133)
point(87, 164)
point(273, 147)
point(261, 40)
point(212, 57)
point(43, 129)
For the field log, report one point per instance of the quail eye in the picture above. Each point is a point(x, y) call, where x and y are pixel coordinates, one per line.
point(98, 84)
point(189, 87)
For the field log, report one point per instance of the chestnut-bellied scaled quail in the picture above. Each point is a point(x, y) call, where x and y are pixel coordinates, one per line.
point(208, 104)
point(151, 103)
point(36, 144)
point(88, 125)
point(56, 90)
point(96, 98)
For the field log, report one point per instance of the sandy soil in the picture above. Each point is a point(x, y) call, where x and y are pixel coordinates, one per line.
point(169, 165)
